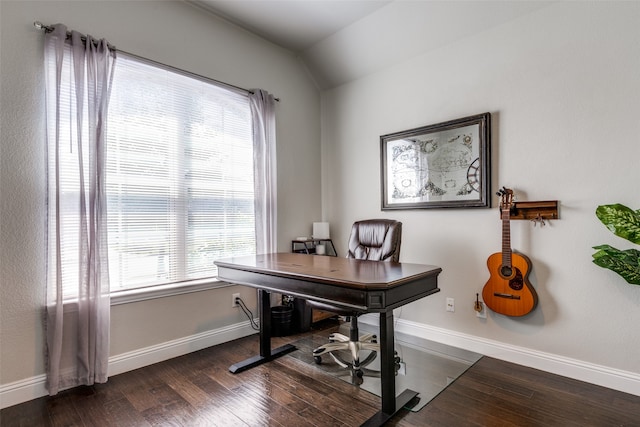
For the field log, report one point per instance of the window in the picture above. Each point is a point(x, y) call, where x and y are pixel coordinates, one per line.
point(179, 176)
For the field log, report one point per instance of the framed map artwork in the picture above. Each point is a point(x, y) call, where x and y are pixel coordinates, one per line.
point(446, 165)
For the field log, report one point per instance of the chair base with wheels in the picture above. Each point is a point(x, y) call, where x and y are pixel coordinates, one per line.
point(353, 344)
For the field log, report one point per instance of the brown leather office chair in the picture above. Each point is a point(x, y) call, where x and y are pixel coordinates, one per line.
point(373, 240)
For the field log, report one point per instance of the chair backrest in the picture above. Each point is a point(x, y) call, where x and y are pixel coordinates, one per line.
point(375, 240)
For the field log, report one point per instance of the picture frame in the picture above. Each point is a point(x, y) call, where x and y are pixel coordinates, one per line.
point(444, 165)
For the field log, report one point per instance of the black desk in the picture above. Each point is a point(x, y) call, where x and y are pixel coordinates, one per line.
point(367, 286)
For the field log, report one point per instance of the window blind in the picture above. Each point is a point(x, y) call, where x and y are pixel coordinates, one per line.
point(179, 176)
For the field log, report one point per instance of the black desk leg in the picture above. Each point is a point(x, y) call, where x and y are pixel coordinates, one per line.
point(390, 404)
point(266, 354)
point(264, 314)
point(387, 371)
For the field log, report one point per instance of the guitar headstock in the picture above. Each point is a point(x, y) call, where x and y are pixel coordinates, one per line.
point(506, 198)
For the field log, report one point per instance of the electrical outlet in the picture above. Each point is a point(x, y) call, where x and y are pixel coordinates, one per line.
point(482, 313)
point(234, 302)
point(451, 304)
point(402, 370)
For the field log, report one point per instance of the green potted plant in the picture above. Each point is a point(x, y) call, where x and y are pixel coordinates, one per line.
point(623, 222)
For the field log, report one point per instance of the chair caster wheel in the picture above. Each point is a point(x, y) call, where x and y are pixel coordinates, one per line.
point(317, 359)
point(359, 373)
point(356, 380)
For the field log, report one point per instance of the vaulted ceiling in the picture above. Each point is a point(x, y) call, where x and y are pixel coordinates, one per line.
point(343, 40)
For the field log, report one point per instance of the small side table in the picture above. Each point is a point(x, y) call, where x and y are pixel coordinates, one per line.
point(308, 246)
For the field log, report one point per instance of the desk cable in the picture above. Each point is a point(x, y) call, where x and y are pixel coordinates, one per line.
point(249, 314)
point(395, 327)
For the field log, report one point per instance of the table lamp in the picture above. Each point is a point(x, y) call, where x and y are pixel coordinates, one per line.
point(320, 230)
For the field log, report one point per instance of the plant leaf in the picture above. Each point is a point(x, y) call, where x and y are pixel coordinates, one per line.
point(626, 263)
point(621, 220)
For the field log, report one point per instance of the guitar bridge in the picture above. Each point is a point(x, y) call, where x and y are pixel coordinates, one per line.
point(507, 296)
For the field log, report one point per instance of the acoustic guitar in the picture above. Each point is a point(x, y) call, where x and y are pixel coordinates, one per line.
point(508, 290)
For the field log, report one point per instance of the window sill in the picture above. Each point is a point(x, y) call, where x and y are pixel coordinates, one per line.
point(143, 294)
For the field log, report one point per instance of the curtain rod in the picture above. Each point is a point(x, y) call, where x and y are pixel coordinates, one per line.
point(48, 29)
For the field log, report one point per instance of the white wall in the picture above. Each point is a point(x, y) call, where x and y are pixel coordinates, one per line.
point(562, 85)
point(169, 32)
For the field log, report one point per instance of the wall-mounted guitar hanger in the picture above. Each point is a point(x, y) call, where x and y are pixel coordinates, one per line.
point(538, 212)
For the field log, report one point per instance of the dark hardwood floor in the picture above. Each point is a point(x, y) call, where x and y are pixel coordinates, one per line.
point(197, 390)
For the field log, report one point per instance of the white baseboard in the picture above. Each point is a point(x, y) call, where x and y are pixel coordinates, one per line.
point(22, 391)
point(147, 356)
point(628, 382)
point(616, 379)
point(34, 387)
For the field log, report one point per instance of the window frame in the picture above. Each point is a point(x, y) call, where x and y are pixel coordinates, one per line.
point(147, 292)
point(150, 292)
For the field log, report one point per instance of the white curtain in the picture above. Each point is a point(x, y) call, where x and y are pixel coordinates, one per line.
point(78, 82)
point(264, 159)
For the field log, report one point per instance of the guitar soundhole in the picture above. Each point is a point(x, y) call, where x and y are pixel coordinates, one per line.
point(517, 283)
point(506, 271)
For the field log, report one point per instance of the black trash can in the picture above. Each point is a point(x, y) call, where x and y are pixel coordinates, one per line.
point(301, 316)
point(281, 320)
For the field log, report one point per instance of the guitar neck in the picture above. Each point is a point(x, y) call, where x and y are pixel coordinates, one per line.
point(506, 238)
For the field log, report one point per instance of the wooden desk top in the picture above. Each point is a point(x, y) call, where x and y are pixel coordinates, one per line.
point(345, 272)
